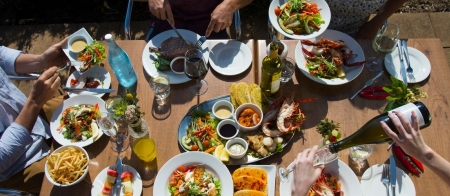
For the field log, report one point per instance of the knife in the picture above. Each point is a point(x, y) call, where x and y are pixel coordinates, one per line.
point(402, 64)
point(119, 173)
point(178, 33)
point(406, 53)
point(392, 174)
point(94, 90)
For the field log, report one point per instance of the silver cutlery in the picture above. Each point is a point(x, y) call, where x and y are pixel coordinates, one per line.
point(176, 31)
point(385, 178)
point(392, 173)
point(200, 42)
point(118, 180)
point(368, 83)
point(94, 90)
point(402, 62)
point(409, 70)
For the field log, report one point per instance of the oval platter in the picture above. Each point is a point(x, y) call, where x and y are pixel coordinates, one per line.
point(207, 105)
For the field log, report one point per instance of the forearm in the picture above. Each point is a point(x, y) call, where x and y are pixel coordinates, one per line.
point(28, 115)
point(13, 144)
point(236, 4)
point(26, 63)
point(437, 164)
point(389, 8)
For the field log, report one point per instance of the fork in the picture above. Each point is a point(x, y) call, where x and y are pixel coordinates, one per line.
point(409, 70)
point(200, 42)
point(385, 178)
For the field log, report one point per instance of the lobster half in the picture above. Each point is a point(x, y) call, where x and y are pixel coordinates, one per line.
point(411, 163)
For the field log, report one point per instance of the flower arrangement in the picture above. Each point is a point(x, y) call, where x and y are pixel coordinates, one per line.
point(400, 94)
point(128, 110)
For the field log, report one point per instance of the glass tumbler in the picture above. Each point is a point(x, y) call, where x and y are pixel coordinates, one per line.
point(287, 69)
point(160, 86)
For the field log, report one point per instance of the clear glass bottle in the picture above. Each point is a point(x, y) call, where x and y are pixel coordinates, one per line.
point(271, 71)
point(120, 63)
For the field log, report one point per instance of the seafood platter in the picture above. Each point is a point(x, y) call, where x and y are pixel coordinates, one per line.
point(260, 129)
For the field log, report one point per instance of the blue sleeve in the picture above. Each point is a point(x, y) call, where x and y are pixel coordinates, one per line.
point(13, 143)
point(8, 58)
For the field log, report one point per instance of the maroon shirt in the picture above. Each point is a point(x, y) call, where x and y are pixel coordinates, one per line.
point(193, 15)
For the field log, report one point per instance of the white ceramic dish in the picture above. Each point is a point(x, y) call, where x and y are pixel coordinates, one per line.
point(418, 61)
point(271, 175)
point(148, 58)
point(283, 54)
point(324, 12)
point(230, 57)
point(181, 59)
point(349, 182)
point(99, 181)
point(76, 181)
point(233, 141)
point(97, 72)
point(73, 40)
point(371, 183)
point(226, 104)
point(240, 109)
point(66, 48)
point(350, 72)
point(226, 122)
point(211, 164)
point(73, 101)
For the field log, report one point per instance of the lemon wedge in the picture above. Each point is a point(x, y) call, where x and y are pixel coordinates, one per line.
point(218, 151)
point(95, 131)
point(224, 157)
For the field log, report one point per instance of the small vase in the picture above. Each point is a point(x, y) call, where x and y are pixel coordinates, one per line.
point(138, 128)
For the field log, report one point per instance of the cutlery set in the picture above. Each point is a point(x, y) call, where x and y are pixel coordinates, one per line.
point(389, 177)
point(403, 54)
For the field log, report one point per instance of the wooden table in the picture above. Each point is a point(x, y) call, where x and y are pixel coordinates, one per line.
point(333, 102)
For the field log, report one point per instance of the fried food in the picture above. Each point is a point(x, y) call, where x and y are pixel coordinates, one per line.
point(249, 183)
point(241, 93)
point(251, 171)
point(67, 166)
point(249, 193)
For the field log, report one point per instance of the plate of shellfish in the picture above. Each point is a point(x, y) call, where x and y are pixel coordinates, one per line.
point(257, 131)
point(333, 58)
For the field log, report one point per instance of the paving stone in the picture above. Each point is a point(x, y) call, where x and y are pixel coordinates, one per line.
point(17, 37)
point(413, 25)
point(441, 26)
point(45, 36)
point(447, 55)
point(139, 30)
point(99, 30)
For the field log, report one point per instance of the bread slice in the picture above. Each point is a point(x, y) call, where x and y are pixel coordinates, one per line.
point(249, 193)
point(233, 98)
point(242, 93)
point(251, 171)
point(258, 98)
point(246, 182)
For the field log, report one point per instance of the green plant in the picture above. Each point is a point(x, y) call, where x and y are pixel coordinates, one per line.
point(127, 109)
point(400, 94)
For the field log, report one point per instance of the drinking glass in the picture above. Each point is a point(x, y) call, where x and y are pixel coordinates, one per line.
point(160, 86)
point(287, 69)
point(115, 130)
point(383, 43)
point(195, 67)
point(64, 73)
point(360, 153)
point(111, 102)
point(145, 148)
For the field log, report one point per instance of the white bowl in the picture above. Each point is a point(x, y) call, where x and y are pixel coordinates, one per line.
point(77, 38)
point(47, 174)
point(223, 103)
point(240, 109)
point(227, 122)
point(282, 45)
point(240, 141)
point(177, 59)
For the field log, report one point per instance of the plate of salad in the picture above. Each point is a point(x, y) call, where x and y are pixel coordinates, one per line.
point(300, 19)
point(74, 121)
point(180, 175)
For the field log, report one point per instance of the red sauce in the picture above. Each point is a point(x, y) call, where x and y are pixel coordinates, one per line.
point(178, 65)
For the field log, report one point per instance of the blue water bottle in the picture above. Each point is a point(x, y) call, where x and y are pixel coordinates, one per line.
point(120, 63)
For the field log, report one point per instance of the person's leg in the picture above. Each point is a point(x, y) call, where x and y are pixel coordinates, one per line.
point(51, 105)
point(28, 180)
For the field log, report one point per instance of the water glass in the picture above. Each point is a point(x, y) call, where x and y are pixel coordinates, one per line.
point(111, 102)
point(383, 43)
point(115, 130)
point(160, 86)
point(360, 153)
point(287, 69)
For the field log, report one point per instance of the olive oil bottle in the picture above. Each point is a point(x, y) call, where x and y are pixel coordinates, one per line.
point(271, 71)
point(373, 133)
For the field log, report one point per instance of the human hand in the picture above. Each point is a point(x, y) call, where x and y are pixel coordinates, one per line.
point(408, 137)
point(45, 87)
point(55, 56)
point(221, 18)
point(305, 174)
point(162, 10)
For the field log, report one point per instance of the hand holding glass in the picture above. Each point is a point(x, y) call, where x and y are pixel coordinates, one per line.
point(383, 43)
point(195, 67)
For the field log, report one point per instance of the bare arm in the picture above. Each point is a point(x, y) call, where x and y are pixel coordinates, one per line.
point(222, 16)
point(305, 174)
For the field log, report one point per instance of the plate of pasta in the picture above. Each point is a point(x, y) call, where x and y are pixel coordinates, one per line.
point(337, 173)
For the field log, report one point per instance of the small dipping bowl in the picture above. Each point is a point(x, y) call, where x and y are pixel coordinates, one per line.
point(227, 129)
point(177, 65)
point(240, 109)
point(77, 43)
point(282, 50)
point(223, 109)
point(236, 147)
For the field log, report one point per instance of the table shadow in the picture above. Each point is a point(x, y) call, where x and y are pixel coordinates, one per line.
point(147, 170)
point(161, 112)
point(83, 188)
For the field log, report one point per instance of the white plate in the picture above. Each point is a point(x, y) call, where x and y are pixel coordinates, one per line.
point(324, 12)
point(271, 175)
point(349, 182)
point(73, 101)
point(97, 72)
point(371, 182)
point(419, 63)
point(99, 181)
point(148, 58)
point(350, 72)
point(73, 56)
point(230, 57)
point(211, 164)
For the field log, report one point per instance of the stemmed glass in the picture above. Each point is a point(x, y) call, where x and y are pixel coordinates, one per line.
point(360, 153)
point(195, 67)
point(383, 43)
point(114, 129)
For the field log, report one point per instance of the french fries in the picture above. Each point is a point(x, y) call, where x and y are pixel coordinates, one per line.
point(66, 166)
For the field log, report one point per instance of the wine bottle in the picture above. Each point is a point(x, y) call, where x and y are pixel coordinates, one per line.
point(120, 63)
point(271, 71)
point(373, 133)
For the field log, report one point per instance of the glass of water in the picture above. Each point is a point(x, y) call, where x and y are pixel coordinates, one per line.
point(112, 128)
point(360, 153)
point(287, 69)
point(160, 85)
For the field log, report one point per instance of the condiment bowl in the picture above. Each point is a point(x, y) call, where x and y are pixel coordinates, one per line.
point(61, 149)
point(236, 141)
point(177, 60)
point(227, 129)
point(282, 50)
point(222, 105)
point(75, 38)
point(241, 109)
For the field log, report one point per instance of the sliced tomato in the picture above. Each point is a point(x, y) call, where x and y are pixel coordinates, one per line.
point(277, 11)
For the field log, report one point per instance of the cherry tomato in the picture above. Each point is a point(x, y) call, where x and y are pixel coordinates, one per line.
point(206, 143)
point(172, 181)
point(194, 147)
point(277, 11)
point(73, 81)
point(181, 168)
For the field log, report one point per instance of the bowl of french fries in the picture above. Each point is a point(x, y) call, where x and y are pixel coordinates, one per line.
point(67, 165)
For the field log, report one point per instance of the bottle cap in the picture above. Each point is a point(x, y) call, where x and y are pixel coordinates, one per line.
point(108, 36)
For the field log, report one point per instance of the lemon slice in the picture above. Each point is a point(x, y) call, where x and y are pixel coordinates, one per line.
point(224, 156)
point(362, 154)
point(218, 151)
point(95, 131)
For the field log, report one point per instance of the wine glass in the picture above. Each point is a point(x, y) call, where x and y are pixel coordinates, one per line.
point(195, 67)
point(111, 102)
point(112, 128)
point(360, 153)
point(383, 43)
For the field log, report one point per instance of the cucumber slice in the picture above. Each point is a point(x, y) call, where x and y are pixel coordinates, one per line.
point(185, 141)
